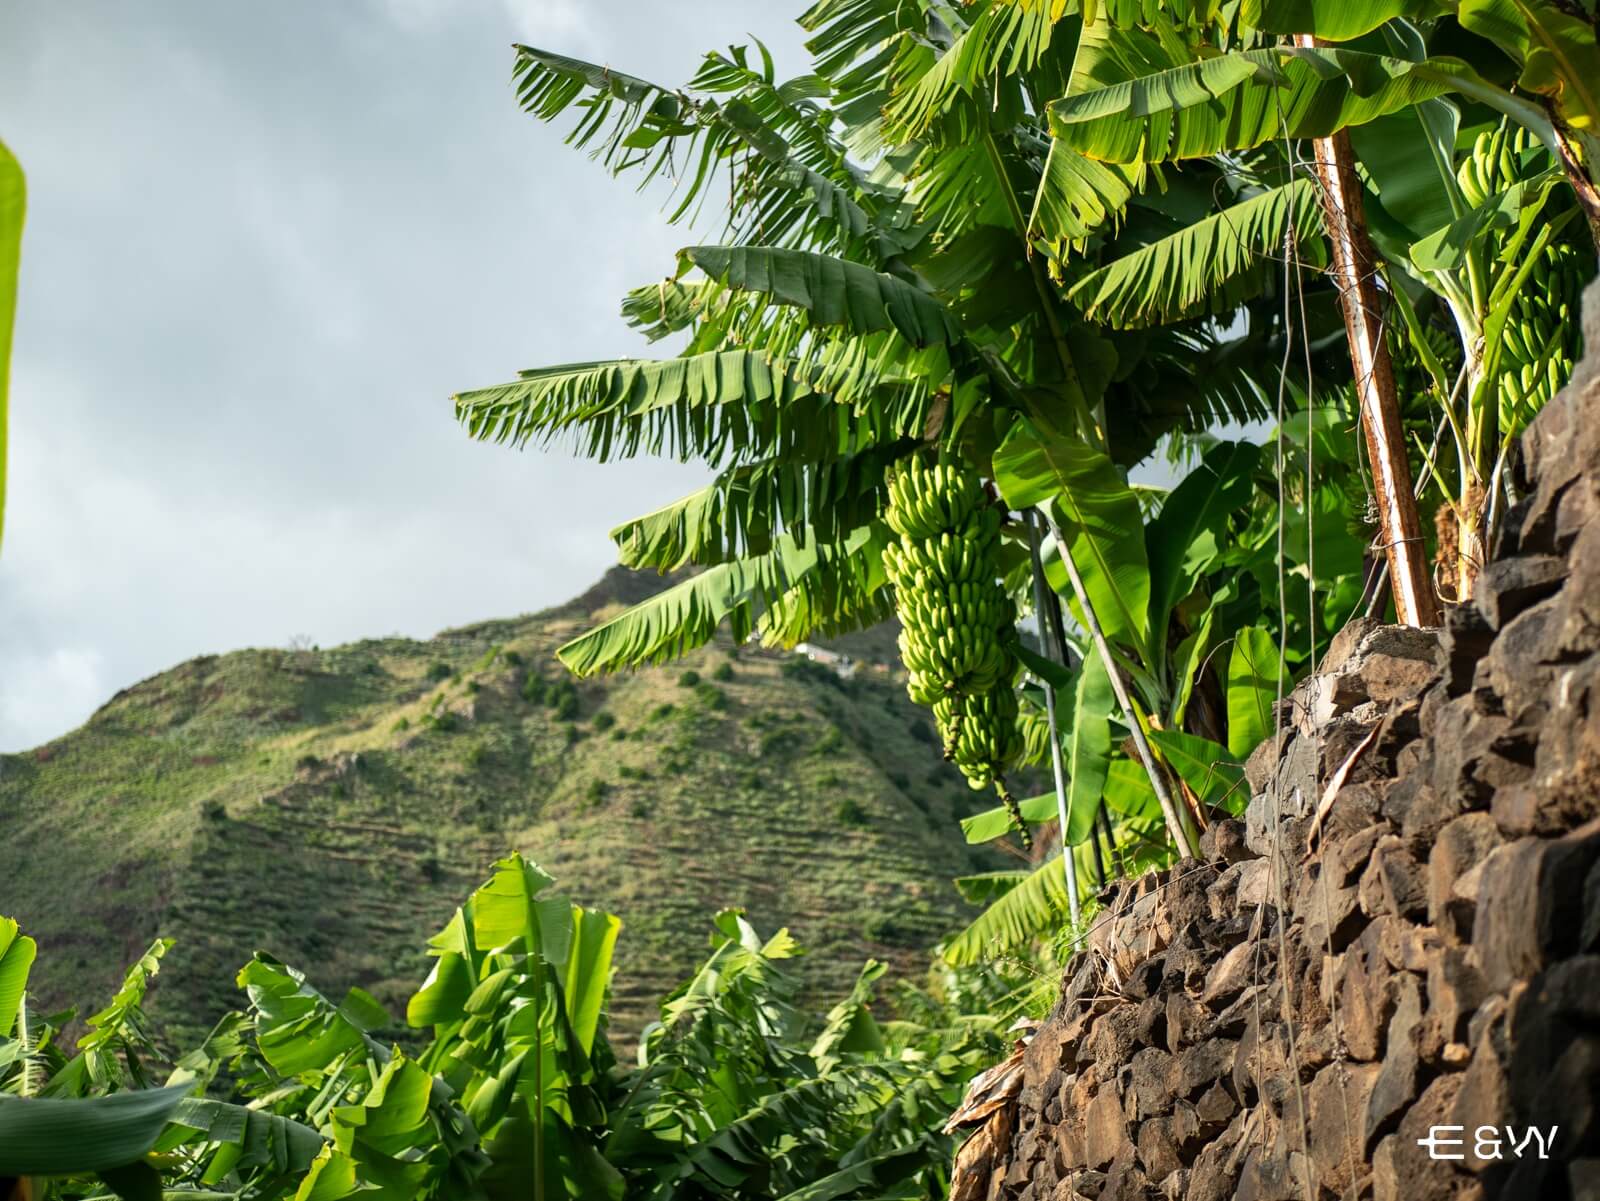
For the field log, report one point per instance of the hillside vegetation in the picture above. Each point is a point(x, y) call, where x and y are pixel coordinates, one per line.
point(332, 807)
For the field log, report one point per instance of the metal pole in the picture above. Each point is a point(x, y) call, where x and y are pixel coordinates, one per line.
point(1158, 781)
point(1051, 652)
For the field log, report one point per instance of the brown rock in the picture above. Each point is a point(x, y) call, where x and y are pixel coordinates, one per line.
point(1403, 946)
point(1416, 1176)
point(1330, 913)
point(1125, 1180)
point(1393, 882)
point(1530, 901)
point(1105, 1129)
point(1484, 1100)
point(1228, 978)
point(1360, 986)
point(1224, 840)
point(1337, 1099)
point(1212, 1178)
point(1187, 1020)
point(1455, 989)
point(1508, 586)
point(1070, 1152)
point(1150, 1085)
point(1158, 1150)
point(1458, 847)
point(1216, 1106)
point(1351, 855)
point(1200, 1066)
point(1396, 1084)
point(1112, 1036)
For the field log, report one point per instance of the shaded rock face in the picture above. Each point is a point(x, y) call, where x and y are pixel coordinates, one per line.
point(1288, 1016)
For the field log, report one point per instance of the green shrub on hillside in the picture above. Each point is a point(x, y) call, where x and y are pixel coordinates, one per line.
point(849, 812)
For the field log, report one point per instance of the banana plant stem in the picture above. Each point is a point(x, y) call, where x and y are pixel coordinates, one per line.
point(1052, 652)
point(1058, 631)
point(1158, 780)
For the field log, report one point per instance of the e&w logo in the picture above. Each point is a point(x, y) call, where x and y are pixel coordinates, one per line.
point(1487, 1143)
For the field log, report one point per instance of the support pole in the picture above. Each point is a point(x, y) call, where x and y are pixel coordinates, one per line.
point(1354, 271)
point(1176, 826)
point(1053, 653)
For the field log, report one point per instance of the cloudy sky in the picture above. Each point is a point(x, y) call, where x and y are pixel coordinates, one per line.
point(266, 242)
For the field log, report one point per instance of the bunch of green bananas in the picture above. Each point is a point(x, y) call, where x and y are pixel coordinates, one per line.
point(959, 626)
point(1494, 164)
point(1540, 340)
point(1539, 343)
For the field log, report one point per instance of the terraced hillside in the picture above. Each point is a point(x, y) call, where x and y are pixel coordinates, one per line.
point(333, 806)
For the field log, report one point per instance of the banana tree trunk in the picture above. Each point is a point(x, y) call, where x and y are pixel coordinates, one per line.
point(1354, 270)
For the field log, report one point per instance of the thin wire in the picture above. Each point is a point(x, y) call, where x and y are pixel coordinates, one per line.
point(1316, 731)
point(1283, 656)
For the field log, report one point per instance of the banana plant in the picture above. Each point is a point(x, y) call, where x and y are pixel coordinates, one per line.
point(1503, 264)
point(738, 1092)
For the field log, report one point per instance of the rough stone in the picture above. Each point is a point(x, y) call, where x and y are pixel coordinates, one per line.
point(1507, 587)
point(1396, 1084)
point(1224, 841)
point(1521, 896)
point(1105, 1129)
point(1393, 882)
point(1336, 1099)
point(1158, 1150)
point(1167, 1071)
point(1459, 846)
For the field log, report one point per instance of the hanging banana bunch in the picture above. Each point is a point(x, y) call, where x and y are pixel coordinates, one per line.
point(1540, 342)
point(959, 626)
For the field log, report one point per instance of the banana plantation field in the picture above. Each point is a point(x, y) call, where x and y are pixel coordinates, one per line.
point(1117, 356)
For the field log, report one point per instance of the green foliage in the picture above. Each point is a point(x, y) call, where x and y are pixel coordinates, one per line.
point(722, 673)
point(849, 812)
point(688, 679)
point(512, 1079)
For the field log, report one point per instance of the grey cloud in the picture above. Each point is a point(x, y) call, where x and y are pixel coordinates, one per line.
point(265, 245)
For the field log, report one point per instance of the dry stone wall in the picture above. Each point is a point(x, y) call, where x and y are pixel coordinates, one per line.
point(1396, 955)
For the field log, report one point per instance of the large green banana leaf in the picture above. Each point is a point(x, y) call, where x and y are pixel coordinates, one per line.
point(1028, 909)
point(686, 615)
point(1239, 100)
point(48, 1137)
point(1333, 20)
point(1207, 768)
point(13, 205)
point(17, 952)
point(1088, 749)
point(1255, 674)
point(1099, 516)
point(1176, 541)
point(1209, 266)
point(1556, 48)
point(832, 291)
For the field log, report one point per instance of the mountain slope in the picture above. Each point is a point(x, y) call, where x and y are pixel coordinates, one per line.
point(332, 807)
